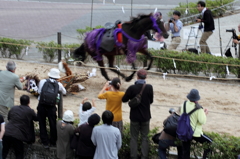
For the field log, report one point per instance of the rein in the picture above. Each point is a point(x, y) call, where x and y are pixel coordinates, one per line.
point(119, 30)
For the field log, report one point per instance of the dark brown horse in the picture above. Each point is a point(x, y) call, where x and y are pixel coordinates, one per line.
point(133, 41)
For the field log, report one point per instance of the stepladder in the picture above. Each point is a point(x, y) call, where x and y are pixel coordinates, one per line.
point(193, 37)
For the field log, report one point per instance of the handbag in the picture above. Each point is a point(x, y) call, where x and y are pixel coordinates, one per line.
point(134, 103)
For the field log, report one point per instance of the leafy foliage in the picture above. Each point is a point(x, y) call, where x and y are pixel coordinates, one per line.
point(49, 50)
point(12, 47)
point(82, 32)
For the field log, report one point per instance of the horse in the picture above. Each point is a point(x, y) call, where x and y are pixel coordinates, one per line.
point(133, 41)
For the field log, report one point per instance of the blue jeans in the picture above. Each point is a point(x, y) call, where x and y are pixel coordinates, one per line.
point(164, 145)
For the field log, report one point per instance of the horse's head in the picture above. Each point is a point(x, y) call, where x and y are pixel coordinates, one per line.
point(158, 25)
point(80, 54)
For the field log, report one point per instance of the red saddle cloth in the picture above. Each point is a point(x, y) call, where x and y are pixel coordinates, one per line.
point(119, 35)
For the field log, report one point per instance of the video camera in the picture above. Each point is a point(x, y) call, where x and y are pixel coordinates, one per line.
point(233, 31)
point(171, 20)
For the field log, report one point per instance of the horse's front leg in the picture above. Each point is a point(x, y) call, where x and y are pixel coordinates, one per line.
point(111, 65)
point(103, 71)
point(149, 56)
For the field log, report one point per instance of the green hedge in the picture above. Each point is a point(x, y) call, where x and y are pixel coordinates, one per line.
point(185, 67)
point(223, 146)
point(18, 50)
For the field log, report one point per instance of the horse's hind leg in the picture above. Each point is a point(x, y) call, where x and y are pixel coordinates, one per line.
point(103, 71)
point(111, 62)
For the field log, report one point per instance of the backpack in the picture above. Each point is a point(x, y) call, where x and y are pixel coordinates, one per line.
point(184, 129)
point(49, 93)
point(170, 125)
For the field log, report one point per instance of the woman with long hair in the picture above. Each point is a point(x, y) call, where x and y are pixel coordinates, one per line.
point(111, 92)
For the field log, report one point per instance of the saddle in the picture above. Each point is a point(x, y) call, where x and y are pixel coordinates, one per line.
point(108, 41)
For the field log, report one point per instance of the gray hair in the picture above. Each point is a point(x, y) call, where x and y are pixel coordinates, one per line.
point(11, 66)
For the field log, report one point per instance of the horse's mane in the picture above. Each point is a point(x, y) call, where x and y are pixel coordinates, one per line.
point(134, 20)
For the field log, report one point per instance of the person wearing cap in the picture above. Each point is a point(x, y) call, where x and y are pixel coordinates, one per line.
point(85, 149)
point(197, 120)
point(20, 128)
point(8, 82)
point(141, 115)
point(174, 25)
point(206, 18)
point(113, 100)
point(166, 139)
point(65, 130)
point(106, 138)
point(46, 111)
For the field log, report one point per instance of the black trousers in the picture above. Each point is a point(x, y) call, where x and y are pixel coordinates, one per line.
point(17, 145)
point(49, 112)
point(202, 139)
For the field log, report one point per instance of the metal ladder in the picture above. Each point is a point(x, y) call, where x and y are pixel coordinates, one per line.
point(192, 33)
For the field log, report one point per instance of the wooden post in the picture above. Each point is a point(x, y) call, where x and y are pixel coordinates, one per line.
point(59, 43)
point(239, 59)
point(60, 106)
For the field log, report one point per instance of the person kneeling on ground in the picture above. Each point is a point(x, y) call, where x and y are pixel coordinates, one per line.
point(20, 128)
point(167, 137)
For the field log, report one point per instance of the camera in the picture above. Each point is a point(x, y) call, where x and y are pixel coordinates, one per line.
point(171, 20)
point(110, 82)
point(230, 30)
point(198, 17)
point(233, 31)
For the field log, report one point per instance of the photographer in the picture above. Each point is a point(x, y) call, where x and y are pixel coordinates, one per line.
point(236, 39)
point(175, 25)
point(207, 19)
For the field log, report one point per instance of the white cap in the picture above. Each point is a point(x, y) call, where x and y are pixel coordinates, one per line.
point(68, 116)
point(54, 73)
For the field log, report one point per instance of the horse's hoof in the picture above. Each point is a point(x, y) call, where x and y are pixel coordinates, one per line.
point(128, 79)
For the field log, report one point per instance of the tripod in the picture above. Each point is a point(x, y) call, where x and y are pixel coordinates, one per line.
point(227, 49)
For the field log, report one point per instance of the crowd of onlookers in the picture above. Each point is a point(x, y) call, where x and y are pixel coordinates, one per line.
point(88, 140)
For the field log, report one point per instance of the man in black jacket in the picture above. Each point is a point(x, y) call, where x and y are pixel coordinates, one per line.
point(141, 115)
point(207, 19)
point(20, 128)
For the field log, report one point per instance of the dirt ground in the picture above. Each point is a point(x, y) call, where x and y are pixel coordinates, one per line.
point(220, 98)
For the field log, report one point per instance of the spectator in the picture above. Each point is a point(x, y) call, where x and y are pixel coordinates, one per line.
point(85, 147)
point(8, 81)
point(65, 130)
point(207, 19)
point(114, 101)
point(106, 138)
point(140, 116)
point(85, 110)
point(2, 131)
point(236, 41)
point(159, 37)
point(20, 128)
point(166, 140)
point(197, 120)
point(175, 25)
point(49, 110)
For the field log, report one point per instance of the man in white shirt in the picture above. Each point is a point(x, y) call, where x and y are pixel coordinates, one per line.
point(106, 138)
point(46, 110)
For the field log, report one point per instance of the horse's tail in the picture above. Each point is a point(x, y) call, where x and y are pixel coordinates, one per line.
point(80, 53)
